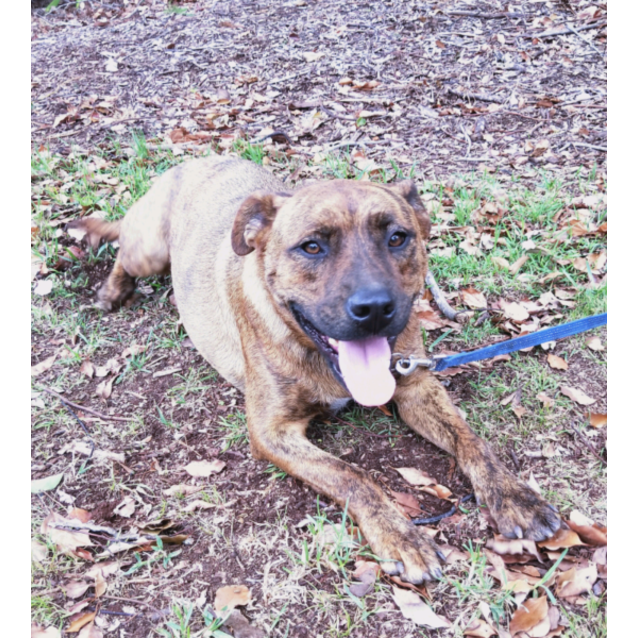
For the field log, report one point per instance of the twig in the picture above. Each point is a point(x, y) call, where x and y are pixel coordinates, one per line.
point(129, 600)
point(552, 32)
point(583, 438)
point(596, 148)
point(485, 16)
point(485, 97)
point(584, 39)
point(106, 417)
point(440, 300)
point(527, 117)
point(86, 431)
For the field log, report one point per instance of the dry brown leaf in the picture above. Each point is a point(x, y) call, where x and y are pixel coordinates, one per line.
point(473, 298)
point(502, 545)
point(591, 534)
point(231, 596)
point(576, 581)
point(80, 514)
point(39, 551)
point(518, 264)
point(204, 468)
point(366, 572)
point(430, 320)
point(562, 539)
point(413, 608)
point(79, 622)
point(515, 311)
point(133, 350)
point(480, 629)
point(126, 507)
point(547, 402)
point(576, 395)
point(452, 554)
point(439, 491)
point(414, 476)
point(100, 584)
point(66, 541)
point(43, 287)
point(43, 366)
point(408, 503)
point(90, 631)
point(594, 343)
point(597, 420)
point(198, 504)
point(501, 262)
point(75, 588)
point(49, 632)
point(87, 369)
point(556, 362)
point(531, 613)
point(105, 388)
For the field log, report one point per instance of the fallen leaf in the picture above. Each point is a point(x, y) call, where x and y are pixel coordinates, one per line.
point(39, 551)
point(518, 264)
point(597, 420)
point(501, 262)
point(366, 572)
point(533, 483)
point(87, 369)
point(311, 56)
point(413, 608)
point(591, 534)
point(44, 365)
point(547, 402)
point(480, 629)
point(439, 491)
point(126, 507)
point(79, 622)
point(530, 614)
point(49, 632)
point(104, 389)
point(231, 596)
point(46, 484)
point(576, 581)
point(183, 489)
point(75, 588)
point(562, 539)
point(430, 320)
point(576, 395)
point(473, 298)
point(502, 545)
point(594, 343)
point(133, 349)
point(43, 287)
point(414, 476)
point(556, 362)
point(100, 584)
point(515, 312)
point(66, 541)
point(90, 631)
point(199, 504)
point(408, 503)
point(204, 468)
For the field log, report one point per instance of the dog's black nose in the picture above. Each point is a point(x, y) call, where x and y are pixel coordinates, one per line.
point(372, 309)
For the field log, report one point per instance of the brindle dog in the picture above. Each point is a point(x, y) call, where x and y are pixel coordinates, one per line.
point(298, 299)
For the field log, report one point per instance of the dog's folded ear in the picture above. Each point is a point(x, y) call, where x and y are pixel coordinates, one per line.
point(253, 220)
point(407, 189)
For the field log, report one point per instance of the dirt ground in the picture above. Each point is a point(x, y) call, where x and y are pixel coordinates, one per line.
point(448, 87)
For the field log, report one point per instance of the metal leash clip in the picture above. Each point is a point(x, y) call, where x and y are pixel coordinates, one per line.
point(407, 366)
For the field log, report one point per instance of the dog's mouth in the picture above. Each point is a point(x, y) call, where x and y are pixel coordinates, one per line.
point(361, 365)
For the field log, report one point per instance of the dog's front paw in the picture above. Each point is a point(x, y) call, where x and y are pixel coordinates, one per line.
point(520, 512)
point(403, 549)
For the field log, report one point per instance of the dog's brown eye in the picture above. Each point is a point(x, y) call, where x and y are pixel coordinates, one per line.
point(311, 247)
point(397, 239)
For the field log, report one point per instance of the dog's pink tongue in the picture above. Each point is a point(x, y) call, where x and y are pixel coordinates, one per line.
point(365, 366)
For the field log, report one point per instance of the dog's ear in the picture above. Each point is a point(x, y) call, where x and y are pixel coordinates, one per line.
point(254, 219)
point(407, 189)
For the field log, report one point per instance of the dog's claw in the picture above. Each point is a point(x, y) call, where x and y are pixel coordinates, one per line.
point(518, 531)
point(441, 555)
point(437, 573)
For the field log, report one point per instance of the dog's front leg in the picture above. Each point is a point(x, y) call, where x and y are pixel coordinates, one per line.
point(403, 548)
point(519, 512)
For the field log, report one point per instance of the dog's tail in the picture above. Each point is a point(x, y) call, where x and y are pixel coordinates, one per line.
point(97, 230)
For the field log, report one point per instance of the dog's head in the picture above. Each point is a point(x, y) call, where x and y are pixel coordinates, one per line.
point(344, 260)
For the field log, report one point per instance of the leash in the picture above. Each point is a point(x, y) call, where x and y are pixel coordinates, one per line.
point(437, 363)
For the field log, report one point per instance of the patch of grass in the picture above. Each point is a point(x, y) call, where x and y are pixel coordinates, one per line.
point(235, 430)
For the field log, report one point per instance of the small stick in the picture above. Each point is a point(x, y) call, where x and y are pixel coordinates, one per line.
point(485, 97)
point(584, 39)
point(596, 148)
point(582, 437)
point(106, 417)
point(440, 300)
point(552, 32)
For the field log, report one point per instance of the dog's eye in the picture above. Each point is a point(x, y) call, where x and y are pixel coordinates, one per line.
point(397, 239)
point(311, 247)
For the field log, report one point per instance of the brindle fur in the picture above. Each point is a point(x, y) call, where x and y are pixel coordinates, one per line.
point(226, 229)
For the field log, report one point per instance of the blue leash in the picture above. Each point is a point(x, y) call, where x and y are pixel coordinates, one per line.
point(439, 363)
